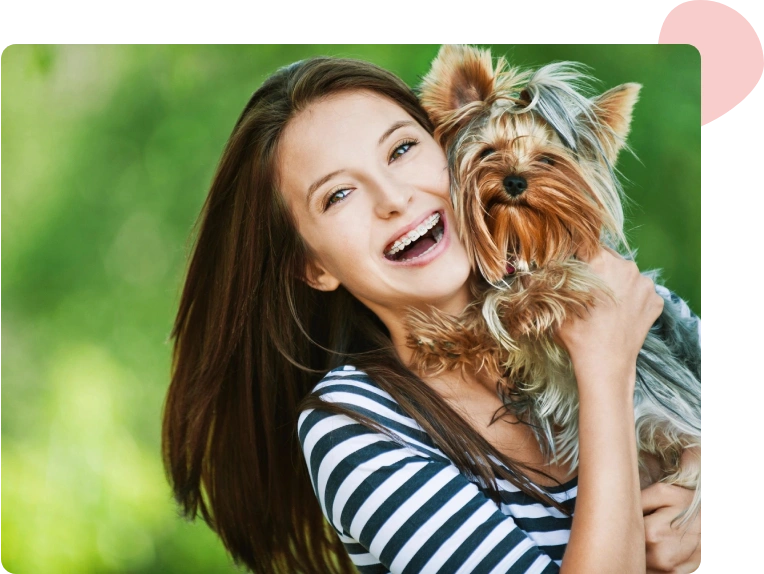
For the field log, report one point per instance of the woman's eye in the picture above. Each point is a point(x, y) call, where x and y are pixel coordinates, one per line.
point(546, 160)
point(401, 149)
point(336, 197)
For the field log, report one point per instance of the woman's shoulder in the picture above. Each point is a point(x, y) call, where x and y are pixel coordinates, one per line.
point(348, 376)
point(354, 389)
point(356, 392)
point(353, 395)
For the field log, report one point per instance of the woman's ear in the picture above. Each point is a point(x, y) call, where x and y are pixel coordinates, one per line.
point(319, 278)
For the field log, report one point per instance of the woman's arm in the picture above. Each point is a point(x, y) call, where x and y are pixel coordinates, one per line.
point(608, 529)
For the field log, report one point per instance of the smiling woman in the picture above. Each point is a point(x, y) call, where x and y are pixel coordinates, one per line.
point(377, 180)
point(328, 219)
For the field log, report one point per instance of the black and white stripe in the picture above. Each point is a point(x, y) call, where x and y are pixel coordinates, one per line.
point(403, 506)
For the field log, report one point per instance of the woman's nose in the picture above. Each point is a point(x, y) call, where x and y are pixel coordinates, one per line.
point(392, 197)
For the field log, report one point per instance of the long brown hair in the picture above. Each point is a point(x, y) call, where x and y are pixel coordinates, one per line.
point(251, 339)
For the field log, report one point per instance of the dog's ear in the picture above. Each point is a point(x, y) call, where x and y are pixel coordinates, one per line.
point(460, 80)
point(613, 110)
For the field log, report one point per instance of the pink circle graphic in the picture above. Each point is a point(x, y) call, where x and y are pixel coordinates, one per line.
point(731, 58)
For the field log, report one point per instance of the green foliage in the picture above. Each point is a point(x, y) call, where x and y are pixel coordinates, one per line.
point(107, 154)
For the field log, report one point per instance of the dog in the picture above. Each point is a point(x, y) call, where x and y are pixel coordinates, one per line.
point(533, 183)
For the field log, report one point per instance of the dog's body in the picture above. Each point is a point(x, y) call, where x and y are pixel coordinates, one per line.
point(533, 183)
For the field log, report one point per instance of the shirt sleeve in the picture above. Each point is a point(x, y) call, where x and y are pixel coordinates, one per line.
point(401, 509)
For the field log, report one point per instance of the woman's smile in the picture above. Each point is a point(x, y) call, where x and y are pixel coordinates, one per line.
point(421, 242)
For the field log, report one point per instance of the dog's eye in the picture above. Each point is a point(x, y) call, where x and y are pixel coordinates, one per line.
point(486, 152)
point(546, 160)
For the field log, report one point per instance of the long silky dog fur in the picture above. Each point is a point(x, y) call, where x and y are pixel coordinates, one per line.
point(497, 122)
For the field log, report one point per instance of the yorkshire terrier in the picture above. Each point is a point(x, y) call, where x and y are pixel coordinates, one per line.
point(533, 183)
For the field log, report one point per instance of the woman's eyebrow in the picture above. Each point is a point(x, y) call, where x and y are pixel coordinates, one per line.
point(394, 127)
point(319, 182)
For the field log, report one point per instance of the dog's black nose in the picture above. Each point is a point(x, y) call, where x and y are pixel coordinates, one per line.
point(515, 185)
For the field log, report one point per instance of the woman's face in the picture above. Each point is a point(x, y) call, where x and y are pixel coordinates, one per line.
point(369, 189)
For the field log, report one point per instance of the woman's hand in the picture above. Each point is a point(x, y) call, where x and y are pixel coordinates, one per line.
point(608, 528)
point(670, 549)
point(607, 340)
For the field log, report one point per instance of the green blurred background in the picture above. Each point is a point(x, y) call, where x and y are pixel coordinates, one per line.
point(107, 152)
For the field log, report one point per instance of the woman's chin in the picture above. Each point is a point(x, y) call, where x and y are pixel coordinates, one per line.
point(445, 291)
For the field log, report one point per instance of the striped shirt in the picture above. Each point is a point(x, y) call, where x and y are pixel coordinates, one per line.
point(404, 507)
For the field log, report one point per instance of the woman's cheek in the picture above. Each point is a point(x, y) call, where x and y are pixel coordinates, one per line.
point(344, 246)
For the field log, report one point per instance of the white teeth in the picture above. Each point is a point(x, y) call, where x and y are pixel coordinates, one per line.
point(415, 234)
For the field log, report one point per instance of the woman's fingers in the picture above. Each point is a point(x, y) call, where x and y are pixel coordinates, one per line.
point(660, 495)
point(587, 256)
point(670, 548)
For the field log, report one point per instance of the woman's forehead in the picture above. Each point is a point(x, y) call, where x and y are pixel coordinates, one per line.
point(359, 110)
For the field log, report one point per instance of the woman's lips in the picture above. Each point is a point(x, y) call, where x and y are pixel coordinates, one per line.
point(411, 241)
point(408, 229)
point(430, 254)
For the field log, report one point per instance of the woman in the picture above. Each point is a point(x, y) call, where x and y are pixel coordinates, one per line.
point(329, 164)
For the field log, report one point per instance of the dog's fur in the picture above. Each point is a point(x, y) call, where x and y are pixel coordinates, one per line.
point(541, 131)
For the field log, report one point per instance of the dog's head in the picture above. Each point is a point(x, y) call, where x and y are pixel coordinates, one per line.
point(532, 158)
